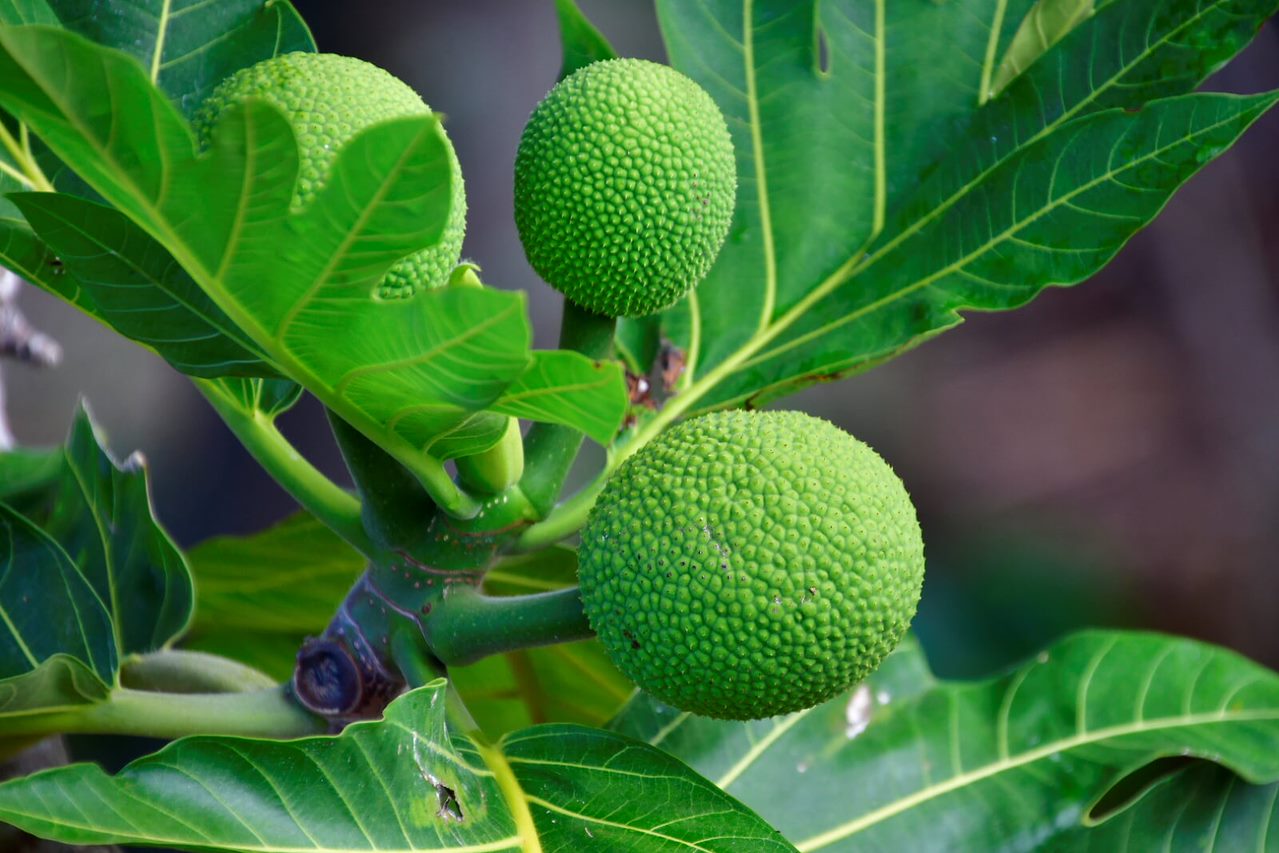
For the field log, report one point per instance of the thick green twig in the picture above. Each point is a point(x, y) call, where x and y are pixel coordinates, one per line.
point(398, 509)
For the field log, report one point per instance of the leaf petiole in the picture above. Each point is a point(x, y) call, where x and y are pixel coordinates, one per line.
point(338, 509)
point(29, 171)
point(183, 671)
point(260, 713)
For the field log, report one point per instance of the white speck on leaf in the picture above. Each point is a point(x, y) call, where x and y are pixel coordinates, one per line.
point(857, 712)
point(883, 697)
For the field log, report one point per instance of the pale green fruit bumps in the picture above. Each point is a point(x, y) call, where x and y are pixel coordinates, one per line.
point(749, 564)
point(624, 186)
point(329, 99)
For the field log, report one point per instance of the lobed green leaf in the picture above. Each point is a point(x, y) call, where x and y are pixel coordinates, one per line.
point(882, 193)
point(189, 46)
point(47, 663)
point(1016, 762)
point(416, 374)
point(116, 272)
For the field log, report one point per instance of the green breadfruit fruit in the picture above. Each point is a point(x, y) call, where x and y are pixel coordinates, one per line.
point(749, 564)
point(329, 99)
point(624, 186)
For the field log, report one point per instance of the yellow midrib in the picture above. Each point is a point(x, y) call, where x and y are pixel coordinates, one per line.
point(162, 31)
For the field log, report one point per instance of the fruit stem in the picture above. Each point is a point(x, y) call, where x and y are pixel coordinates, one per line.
point(335, 507)
point(468, 625)
point(551, 449)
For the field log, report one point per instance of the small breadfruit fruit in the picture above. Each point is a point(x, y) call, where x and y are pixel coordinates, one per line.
point(328, 99)
point(624, 186)
point(749, 564)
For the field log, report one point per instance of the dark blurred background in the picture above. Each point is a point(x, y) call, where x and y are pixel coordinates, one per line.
point(1108, 455)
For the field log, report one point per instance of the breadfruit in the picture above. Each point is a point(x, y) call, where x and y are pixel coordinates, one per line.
point(749, 564)
point(328, 99)
point(624, 186)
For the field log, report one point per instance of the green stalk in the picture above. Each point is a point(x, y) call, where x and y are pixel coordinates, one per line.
point(468, 625)
point(565, 520)
point(551, 449)
point(335, 507)
point(181, 671)
point(31, 174)
point(259, 713)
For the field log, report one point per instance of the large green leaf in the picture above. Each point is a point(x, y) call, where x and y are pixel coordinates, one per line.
point(877, 200)
point(1201, 807)
point(102, 516)
point(403, 783)
point(908, 763)
point(561, 386)
point(189, 46)
point(26, 471)
point(18, 12)
point(86, 573)
point(116, 272)
point(288, 579)
point(1048, 22)
point(56, 643)
point(412, 374)
point(590, 788)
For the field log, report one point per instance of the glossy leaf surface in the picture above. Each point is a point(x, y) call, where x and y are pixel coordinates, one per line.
point(48, 662)
point(404, 783)
point(116, 272)
point(90, 576)
point(102, 516)
point(189, 46)
point(1201, 807)
point(878, 200)
point(412, 374)
point(288, 579)
point(906, 762)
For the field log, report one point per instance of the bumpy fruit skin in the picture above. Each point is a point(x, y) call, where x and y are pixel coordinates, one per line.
point(624, 186)
point(329, 99)
point(749, 564)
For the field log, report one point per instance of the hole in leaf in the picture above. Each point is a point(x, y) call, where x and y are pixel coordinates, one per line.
point(1134, 786)
point(450, 808)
